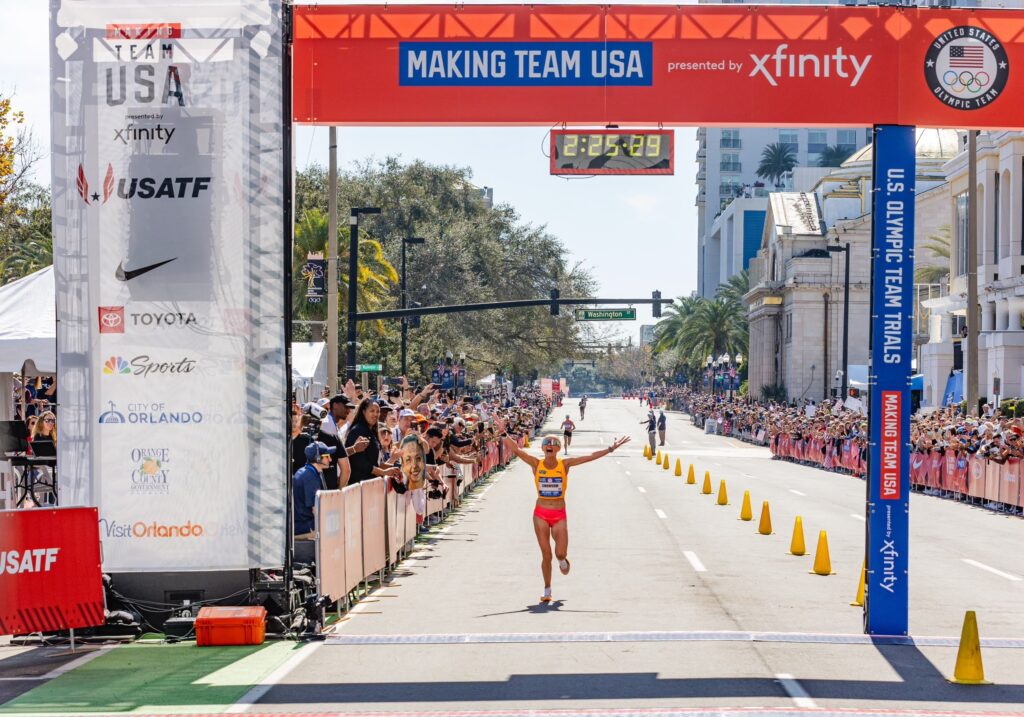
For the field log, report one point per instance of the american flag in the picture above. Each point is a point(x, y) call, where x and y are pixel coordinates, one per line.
point(967, 56)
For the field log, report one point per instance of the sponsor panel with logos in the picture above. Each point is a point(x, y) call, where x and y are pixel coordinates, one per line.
point(160, 201)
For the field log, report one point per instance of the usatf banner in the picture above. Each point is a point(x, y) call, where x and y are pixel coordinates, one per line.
point(723, 65)
point(50, 576)
point(167, 218)
point(892, 309)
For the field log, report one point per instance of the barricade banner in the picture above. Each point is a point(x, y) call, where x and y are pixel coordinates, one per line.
point(410, 520)
point(168, 190)
point(992, 471)
point(976, 477)
point(50, 574)
point(1009, 482)
point(918, 468)
point(936, 462)
point(353, 536)
point(330, 543)
point(396, 525)
point(375, 546)
point(949, 470)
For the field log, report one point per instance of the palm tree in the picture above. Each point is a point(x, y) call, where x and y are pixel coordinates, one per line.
point(777, 159)
point(833, 156)
point(734, 289)
point(376, 275)
point(716, 327)
point(668, 331)
point(939, 246)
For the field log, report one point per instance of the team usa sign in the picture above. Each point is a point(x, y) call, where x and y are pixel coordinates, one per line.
point(589, 64)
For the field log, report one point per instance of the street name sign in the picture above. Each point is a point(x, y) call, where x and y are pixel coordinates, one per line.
point(369, 367)
point(605, 314)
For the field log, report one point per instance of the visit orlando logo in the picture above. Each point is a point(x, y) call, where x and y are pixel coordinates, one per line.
point(966, 67)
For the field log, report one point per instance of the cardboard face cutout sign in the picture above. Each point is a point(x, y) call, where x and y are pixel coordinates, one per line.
point(414, 463)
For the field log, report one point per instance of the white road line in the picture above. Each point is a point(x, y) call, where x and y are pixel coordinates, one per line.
point(601, 438)
point(661, 513)
point(641, 489)
point(1000, 573)
point(628, 473)
point(796, 691)
point(858, 516)
point(256, 692)
point(694, 561)
point(794, 491)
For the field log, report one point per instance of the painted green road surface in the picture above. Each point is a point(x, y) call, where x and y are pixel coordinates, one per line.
point(157, 679)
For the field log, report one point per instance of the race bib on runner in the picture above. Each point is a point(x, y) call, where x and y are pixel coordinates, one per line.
point(550, 487)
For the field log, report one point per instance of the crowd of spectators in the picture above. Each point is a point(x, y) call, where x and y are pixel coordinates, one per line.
point(358, 435)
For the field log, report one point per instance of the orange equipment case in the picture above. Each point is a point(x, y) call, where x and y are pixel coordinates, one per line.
point(230, 626)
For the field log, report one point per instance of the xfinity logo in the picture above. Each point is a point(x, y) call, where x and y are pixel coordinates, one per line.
point(136, 133)
point(784, 66)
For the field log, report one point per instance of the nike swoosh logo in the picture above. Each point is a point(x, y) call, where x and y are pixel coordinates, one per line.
point(123, 275)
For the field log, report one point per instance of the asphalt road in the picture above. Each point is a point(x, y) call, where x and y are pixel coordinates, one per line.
point(672, 601)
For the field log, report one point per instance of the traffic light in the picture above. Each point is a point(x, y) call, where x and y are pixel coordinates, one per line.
point(656, 311)
point(555, 293)
point(414, 321)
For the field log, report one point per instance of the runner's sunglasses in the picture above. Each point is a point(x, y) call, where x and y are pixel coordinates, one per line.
point(549, 442)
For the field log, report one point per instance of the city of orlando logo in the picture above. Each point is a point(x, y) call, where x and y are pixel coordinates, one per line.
point(966, 67)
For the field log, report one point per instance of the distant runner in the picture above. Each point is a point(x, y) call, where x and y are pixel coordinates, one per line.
point(551, 478)
point(652, 429)
point(583, 406)
point(567, 428)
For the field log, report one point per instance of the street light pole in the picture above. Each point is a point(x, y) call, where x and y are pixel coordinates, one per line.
point(405, 320)
point(846, 316)
point(332, 261)
point(353, 281)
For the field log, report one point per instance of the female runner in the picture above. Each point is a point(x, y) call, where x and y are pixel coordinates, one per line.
point(551, 478)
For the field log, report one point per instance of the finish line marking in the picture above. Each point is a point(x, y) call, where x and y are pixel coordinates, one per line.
point(796, 691)
point(1016, 643)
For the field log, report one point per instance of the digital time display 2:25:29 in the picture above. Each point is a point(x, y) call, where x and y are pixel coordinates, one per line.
point(612, 152)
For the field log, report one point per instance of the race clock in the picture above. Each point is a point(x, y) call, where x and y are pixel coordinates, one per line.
point(612, 152)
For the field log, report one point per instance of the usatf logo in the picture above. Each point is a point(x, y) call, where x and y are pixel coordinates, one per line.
point(111, 319)
point(141, 187)
point(966, 68)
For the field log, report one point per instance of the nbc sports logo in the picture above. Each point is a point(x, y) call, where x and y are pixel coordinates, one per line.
point(116, 365)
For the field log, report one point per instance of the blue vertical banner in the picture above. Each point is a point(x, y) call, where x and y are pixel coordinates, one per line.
point(892, 295)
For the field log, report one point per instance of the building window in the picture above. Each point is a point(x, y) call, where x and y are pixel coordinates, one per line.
point(791, 139)
point(730, 189)
point(960, 209)
point(817, 141)
point(846, 140)
point(731, 139)
point(731, 162)
point(995, 219)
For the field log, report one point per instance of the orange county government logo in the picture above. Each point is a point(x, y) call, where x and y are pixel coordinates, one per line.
point(966, 67)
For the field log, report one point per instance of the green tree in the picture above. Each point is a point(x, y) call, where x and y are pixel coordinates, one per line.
point(833, 156)
point(26, 243)
point(777, 160)
point(938, 245)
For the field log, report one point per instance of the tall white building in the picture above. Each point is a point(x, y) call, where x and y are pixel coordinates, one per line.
point(727, 169)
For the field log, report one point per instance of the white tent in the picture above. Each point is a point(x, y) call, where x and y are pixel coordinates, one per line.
point(28, 331)
point(309, 369)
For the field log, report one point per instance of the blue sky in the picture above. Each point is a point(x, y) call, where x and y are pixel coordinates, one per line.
point(635, 234)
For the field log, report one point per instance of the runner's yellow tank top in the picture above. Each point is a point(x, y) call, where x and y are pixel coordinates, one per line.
point(552, 483)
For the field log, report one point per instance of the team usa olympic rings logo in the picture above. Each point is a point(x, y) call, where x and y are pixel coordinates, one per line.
point(966, 67)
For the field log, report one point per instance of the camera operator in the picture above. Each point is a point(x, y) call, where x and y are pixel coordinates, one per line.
point(307, 481)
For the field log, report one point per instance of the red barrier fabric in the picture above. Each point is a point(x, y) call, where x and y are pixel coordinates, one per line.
point(1009, 482)
point(976, 477)
point(936, 460)
point(991, 481)
point(51, 577)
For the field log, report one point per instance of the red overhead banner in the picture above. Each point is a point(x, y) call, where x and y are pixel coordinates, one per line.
point(50, 576)
point(693, 65)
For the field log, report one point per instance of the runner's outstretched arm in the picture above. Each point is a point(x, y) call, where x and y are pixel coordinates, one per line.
point(512, 446)
point(569, 462)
